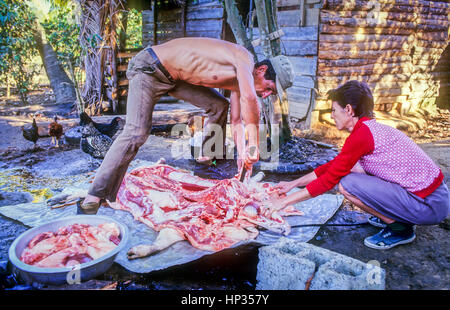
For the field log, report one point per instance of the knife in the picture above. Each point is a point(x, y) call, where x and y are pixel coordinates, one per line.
point(244, 170)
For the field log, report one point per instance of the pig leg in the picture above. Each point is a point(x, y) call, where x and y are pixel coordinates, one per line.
point(166, 237)
point(258, 177)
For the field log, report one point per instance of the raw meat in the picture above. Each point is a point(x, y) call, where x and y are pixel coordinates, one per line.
point(211, 214)
point(71, 245)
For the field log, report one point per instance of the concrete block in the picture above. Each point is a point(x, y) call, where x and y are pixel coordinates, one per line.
point(288, 265)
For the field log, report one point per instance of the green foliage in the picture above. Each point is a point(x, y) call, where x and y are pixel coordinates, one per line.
point(16, 45)
point(62, 32)
point(134, 30)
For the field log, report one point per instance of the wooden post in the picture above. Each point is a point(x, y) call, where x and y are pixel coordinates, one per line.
point(261, 14)
point(8, 87)
point(123, 33)
point(302, 13)
point(80, 103)
point(184, 16)
point(155, 25)
point(271, 11)
point(266, 13)
point(234, 19)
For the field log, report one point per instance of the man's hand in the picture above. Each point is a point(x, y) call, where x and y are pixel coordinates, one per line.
point(284, 187)
point(248, 170)
point(251, 155)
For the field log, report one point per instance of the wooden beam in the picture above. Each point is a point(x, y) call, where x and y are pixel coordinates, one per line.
point(126, 54)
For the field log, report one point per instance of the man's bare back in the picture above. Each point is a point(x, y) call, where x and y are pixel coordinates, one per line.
point(204, 61)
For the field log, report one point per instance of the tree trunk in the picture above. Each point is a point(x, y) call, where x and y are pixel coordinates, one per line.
point(8, 88)
point(60, 83)
point(234, 19)
point(123, 32)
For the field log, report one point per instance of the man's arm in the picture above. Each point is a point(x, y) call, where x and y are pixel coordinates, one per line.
point(250, 110)
point(237, 128)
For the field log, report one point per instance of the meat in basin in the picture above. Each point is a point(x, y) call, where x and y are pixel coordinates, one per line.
point(71, 245)
point(211, 214)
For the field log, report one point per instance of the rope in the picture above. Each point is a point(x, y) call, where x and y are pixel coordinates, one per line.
point(306, 225)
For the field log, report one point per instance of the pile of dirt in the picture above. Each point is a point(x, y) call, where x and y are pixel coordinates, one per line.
point(300, 150)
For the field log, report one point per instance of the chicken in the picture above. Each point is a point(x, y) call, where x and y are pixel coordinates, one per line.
point(195, 124)
point(93, 142)
point(111, 129)
point(55, 130)
point(31, 132)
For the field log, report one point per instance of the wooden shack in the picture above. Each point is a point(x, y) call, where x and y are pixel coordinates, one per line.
point(397, 46)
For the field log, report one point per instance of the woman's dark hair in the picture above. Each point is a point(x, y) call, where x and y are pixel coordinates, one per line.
point(357, 95)
point(270, 72)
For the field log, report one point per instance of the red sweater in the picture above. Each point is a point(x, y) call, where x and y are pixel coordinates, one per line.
point(384, 152)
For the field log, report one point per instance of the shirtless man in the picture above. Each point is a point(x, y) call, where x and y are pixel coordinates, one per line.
point(189, 69)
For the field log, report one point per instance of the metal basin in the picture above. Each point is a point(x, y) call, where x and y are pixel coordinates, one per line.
point(68, 275)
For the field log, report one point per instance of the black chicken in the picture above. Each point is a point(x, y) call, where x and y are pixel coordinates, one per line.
point(110, 129)
point(93, 142)
point(31, 132)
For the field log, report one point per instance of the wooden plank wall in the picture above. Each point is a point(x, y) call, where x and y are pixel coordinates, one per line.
point(204, 18)
point(395, 46)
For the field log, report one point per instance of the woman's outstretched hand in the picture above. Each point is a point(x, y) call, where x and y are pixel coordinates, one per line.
point(284, 187)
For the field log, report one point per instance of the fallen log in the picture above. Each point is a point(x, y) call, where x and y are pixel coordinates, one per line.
point(384, 104)
point(356, 38)
point(425, 55)
point(362, 61)
point(379, 22)
point(368, 70)
point(432, 28)
point(395, 16)
point(424, 62)
point(365, 22)
point(432, 36)
point(388, 5)
point(332, 29)
point(435, 44)
point(428, 50)
point(393, 91)
point(389, 99)
point(423, 95)
point(374, 86)
point(385, 78)
point(365, 46)
point(361, 54)
point(414, 16)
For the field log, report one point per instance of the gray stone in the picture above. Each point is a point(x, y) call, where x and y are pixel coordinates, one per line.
point(288, 265)
point(73, 136)
point(291, 274)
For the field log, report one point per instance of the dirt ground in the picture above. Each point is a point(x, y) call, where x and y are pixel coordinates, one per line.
point(423, 264)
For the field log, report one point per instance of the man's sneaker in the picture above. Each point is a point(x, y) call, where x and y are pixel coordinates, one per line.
point(387, 239)
point(375, 221)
